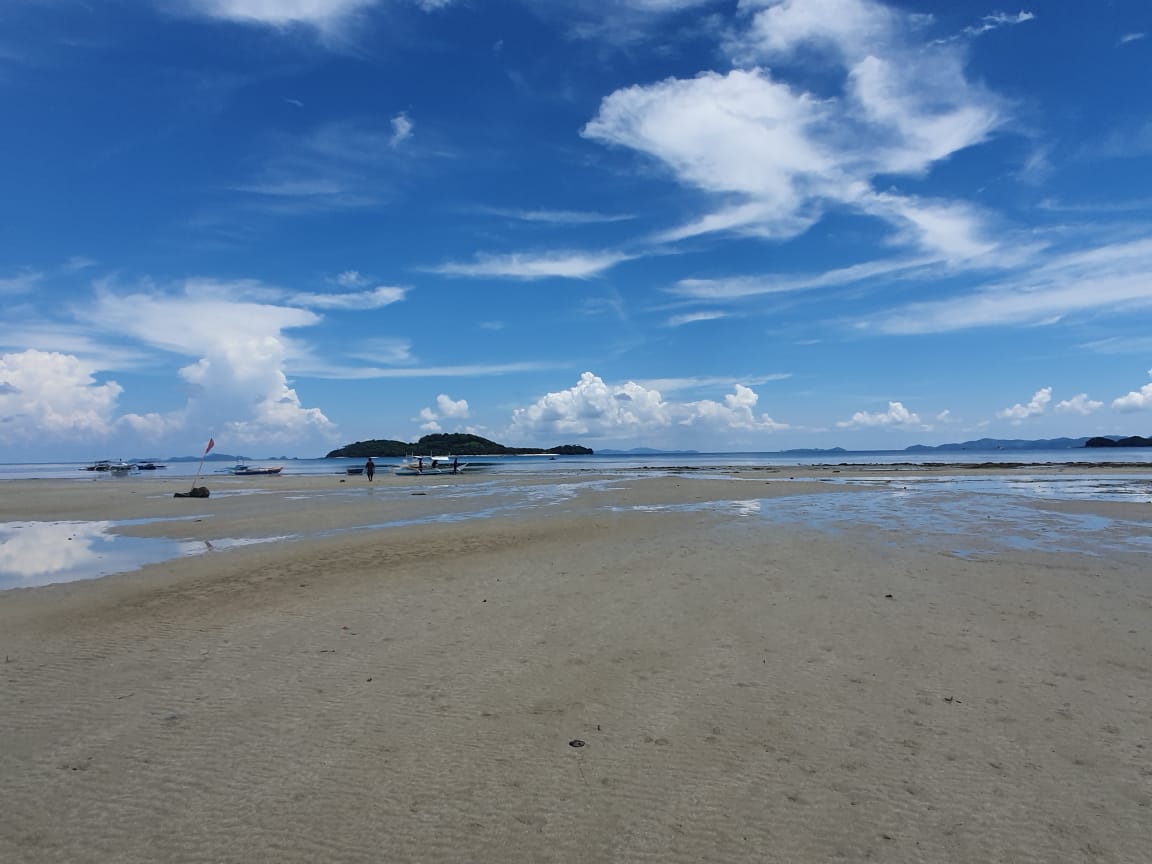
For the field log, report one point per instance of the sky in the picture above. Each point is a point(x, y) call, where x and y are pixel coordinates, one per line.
point(760, 225)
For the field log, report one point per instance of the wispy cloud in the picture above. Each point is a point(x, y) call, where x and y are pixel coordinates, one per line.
point(376, 298)
point(336, 166)
point(402, 127)
point(997, 20)
point(710, 382)
point(1131, 37)
point(694, 318)
point(737, 287)
point(1105, 280)
point(558, 217)
point(21, 283)
point(563, 265)
point(322, 14)
point(352, 373)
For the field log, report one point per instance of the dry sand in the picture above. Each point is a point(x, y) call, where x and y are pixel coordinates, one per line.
point(745, 690)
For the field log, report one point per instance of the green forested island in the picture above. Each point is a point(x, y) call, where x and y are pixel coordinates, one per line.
point(455, 444)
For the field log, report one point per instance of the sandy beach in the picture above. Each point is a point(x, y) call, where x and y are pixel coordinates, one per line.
point(805, 665)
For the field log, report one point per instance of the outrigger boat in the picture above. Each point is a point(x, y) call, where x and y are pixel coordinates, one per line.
point(241, 469)
point(413, 466)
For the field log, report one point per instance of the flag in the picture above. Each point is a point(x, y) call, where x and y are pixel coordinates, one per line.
point(211, 444)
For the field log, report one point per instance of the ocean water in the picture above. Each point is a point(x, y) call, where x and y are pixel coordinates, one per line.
point(582, 464)
point(998, 517)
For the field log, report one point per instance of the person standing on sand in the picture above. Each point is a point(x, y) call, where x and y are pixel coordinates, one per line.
point(370, 469)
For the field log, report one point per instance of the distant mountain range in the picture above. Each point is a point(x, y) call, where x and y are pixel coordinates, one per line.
point(646, 451)
point(1036, 444)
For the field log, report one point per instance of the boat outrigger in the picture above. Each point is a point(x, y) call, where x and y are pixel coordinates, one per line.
point(426, 465)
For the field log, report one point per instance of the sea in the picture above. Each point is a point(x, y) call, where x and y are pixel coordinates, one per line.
point(1002, 518)
point(575, 465)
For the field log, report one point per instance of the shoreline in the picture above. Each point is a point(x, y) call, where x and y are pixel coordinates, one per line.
point(750, 684)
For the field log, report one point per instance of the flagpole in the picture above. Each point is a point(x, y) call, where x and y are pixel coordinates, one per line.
point(211, 444)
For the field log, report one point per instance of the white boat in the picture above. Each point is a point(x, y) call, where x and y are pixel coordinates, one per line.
point(120, 468)
point(243, 469)
point(422, 466)
point(250, 470)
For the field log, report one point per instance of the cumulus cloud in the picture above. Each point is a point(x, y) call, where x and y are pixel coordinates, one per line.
point(450, 408)
point(49, 395)
point(1035, 406)
point(595, 409)
point(1135, 400)
point(446, 408)
point(896, 415)
point(1078, 404)
point(775, 157)
point(237, 382)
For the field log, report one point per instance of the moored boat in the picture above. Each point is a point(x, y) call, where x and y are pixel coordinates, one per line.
point(243, 469)
point(413, 466)
point(249, 470)
point(422, 466)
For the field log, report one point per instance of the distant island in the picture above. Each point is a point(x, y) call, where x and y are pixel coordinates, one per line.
point(984, 444)
point(455, 444)
point(1130, 441)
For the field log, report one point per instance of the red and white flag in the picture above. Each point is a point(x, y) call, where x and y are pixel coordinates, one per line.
point(211, 444)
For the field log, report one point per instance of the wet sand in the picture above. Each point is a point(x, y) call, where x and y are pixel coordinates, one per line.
point(745, 687)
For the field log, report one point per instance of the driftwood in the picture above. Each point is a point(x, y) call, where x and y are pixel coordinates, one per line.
point(197, 492)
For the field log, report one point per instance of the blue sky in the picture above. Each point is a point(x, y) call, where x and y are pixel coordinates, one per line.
point(750, 225)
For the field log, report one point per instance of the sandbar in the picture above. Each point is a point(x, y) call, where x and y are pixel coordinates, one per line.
point(739, 666)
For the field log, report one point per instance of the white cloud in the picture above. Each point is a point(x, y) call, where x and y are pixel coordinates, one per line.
point(335, 166)
point(694, 317)
point(1035, 406)
point(558, 217)
point(1078, 404)
point(449, 408)
point(21, 283)
point(446, 409)
point(48, 395)
point(351, 279)
point(1131, 37)
point(323, 14)
point(237, 384)
point(775, 157)
point(896, 415)
point(735, 412)
point(402, 128)
point(997, 20)
point(1135, 400)
point(566, 265)
point(1111, 279)
point(376, 298)
point(750, 286)
point(428, 421)
point(592, 408)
